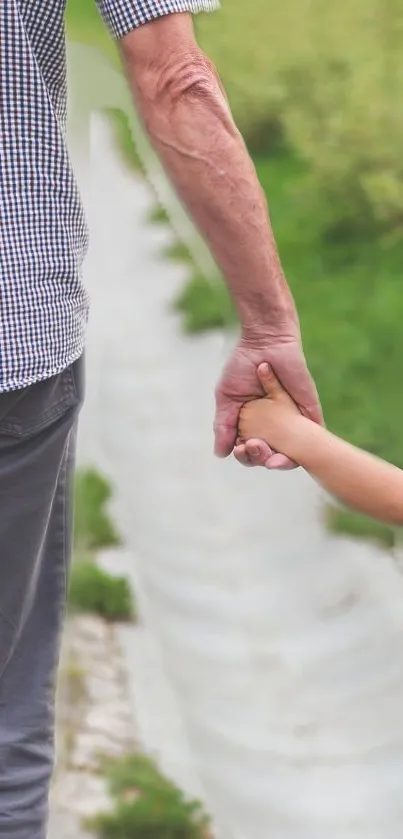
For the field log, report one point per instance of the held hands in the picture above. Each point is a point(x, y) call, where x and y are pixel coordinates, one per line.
point(273, 419)
point(240, 383)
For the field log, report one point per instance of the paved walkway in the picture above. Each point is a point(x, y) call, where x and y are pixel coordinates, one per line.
point(283, 645)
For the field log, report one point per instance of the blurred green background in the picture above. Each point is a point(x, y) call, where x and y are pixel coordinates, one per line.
point(316, 89)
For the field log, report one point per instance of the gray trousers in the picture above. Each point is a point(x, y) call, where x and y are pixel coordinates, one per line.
point(37, 448)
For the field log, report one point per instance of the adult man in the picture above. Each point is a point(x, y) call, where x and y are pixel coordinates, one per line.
point(43, 314)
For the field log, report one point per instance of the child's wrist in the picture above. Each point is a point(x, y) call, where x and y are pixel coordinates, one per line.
point(298, 438)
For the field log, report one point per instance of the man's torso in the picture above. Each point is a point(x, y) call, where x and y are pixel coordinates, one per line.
point(43, 234)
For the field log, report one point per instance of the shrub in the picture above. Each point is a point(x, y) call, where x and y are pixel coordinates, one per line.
point(95, 591)
point(251, 44)
point(93, 527)
point(148, 806)
point(342, 114)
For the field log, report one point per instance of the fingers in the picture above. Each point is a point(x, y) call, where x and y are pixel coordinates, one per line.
point(241, 455)
point(303, 391)
point(225, 428)
point(224, 440)
point(307, 398)
point(268, 380)
point(313, 412)
point(281, 463)
point(258, 453)
point(253, 453)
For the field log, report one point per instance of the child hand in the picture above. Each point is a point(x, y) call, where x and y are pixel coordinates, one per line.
point(274, 418)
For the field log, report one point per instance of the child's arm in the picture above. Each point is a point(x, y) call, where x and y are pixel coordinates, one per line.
point(357, 478)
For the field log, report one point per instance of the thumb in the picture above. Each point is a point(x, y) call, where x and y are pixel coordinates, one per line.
point(268, 380)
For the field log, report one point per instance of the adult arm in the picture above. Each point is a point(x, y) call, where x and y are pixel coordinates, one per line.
point(181, 101)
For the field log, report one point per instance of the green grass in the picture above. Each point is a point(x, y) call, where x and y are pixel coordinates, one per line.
point(124, 138)
point(158, 215)
point(204, 305)
point(85, 26)
point(179, 252)
point(93, 526)
point(359, 527)
point(249, 43)
point(147, 805)
point(351, 306)
point(91, 589)
point(94, 591)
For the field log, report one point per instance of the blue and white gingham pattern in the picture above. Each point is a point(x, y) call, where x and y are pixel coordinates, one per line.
point(43, 233)
point(121, 16)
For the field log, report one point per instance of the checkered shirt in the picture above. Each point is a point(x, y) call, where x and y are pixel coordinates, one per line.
point(43, 232)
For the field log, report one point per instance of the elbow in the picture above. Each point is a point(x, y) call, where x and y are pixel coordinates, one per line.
point(188, 79)
point(190, 76)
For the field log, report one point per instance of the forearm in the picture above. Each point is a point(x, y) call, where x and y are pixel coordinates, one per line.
point(360, 480)
point(188, 120)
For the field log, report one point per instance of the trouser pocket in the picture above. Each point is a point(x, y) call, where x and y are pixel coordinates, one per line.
point(29, 411)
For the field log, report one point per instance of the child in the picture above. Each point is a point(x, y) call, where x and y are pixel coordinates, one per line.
point(358, 479)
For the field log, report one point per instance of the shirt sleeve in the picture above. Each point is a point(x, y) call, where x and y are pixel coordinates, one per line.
point(122, 16)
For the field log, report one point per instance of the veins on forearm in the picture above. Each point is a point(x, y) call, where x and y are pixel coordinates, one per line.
point(189, 122)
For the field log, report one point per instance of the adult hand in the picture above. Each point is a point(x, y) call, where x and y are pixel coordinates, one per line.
point(239, 383)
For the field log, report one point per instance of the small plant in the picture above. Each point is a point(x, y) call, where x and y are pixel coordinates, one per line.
point(93, 527)
point(147, 805)
point(158, 215)
point(94, 590)
point(178, 251)
point(205, 304)
point(124, 137)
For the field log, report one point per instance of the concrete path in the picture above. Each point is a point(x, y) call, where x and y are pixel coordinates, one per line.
point(274, 636)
